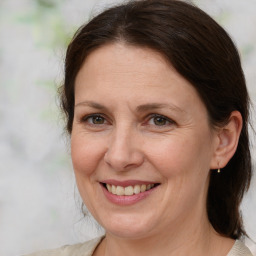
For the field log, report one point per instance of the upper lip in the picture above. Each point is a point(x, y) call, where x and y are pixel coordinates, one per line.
point(127, 183)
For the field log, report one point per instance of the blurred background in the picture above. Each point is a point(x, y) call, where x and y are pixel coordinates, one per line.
point(39, 203)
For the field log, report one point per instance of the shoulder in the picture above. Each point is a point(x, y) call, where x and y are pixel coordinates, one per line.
point(82, 249)
point(239, 249)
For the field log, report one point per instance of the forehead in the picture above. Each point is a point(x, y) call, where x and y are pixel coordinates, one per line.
point(122, 72)
point(119, 62)
point(122, 57)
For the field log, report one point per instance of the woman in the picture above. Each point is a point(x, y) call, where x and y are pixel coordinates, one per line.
point(157, 110)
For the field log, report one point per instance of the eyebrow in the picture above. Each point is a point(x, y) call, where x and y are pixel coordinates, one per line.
point(153, 106)
point(91, 104)
point(140, 108)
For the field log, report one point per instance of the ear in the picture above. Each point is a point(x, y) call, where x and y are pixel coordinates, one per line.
point(227, 140)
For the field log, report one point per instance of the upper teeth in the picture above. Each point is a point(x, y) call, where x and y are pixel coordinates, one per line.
point(128, 191)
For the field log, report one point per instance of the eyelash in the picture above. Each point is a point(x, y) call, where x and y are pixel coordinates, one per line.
point(166, 119)
point(86, 119)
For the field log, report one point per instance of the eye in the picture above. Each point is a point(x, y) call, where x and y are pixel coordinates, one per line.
point(94, 119)
point(159, 120)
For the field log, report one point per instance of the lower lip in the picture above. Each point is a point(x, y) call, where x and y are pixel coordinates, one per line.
point(127, 200)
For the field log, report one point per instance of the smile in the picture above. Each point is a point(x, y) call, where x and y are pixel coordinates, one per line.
point(129, 190)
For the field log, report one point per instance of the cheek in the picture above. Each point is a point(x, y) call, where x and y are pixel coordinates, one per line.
point(86, 154)
point(178, 155)
point(184, 164)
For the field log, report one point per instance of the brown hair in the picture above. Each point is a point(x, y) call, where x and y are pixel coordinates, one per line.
point(203, 53)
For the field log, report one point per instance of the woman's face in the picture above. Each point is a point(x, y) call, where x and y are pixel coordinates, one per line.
point(139, 125)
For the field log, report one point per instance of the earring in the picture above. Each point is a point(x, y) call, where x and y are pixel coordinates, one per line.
point(218, 170)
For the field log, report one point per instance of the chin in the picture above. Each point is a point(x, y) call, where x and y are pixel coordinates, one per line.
point(128, 226)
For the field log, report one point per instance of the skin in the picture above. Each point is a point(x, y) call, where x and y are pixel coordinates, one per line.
point(124, 86)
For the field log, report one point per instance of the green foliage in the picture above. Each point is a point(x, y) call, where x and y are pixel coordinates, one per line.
point(247, 50)
point(46, 3)
point(45, 20)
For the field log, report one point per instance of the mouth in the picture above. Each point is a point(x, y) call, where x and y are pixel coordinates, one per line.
point(128, 190)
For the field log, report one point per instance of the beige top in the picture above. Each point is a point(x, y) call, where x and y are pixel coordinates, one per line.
point(87, 249)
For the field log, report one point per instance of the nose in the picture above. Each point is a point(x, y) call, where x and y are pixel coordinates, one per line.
point(124, 152)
